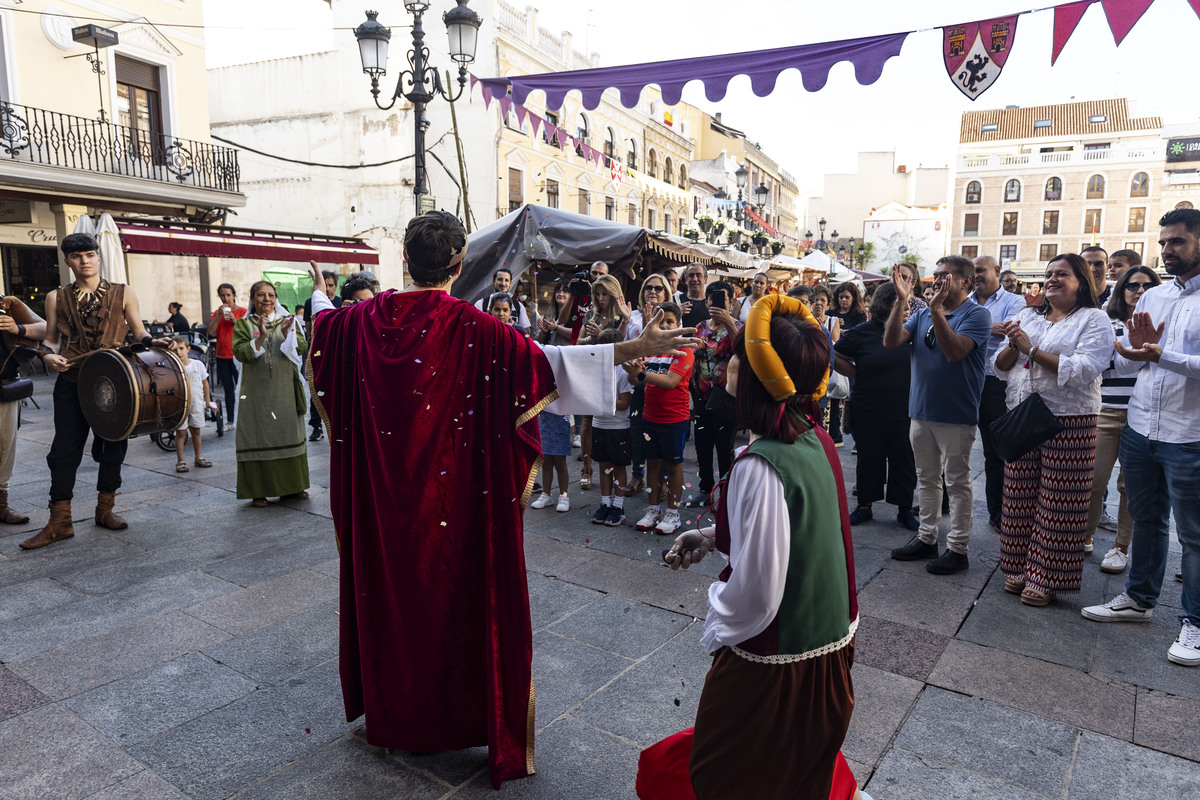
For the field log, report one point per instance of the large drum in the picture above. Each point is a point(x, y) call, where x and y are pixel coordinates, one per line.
point(123, 396)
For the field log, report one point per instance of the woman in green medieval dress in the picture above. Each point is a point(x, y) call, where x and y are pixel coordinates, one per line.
point(272, 451)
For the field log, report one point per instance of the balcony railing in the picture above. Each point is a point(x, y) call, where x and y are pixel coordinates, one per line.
point(37, 136)
point(969, 163)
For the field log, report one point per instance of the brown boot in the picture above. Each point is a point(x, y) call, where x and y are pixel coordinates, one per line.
point(105, 517)
point(59, 526)
point(7, 515)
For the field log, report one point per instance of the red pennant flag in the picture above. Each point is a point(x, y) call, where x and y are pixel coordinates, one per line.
point(1123, 15)
point(1195, 4)
point(1066, 17)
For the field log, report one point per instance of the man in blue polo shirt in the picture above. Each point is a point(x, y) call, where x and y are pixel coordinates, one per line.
point(949, 346)
point(1002, 306)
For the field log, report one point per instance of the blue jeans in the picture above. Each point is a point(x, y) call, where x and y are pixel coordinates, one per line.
point(1162, 478)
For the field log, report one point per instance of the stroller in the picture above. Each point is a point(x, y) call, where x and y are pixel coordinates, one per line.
point(204, 350)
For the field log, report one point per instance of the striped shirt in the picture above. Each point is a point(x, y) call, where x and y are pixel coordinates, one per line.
point(1115, 390)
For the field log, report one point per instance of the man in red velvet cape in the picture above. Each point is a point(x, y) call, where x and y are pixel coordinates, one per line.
point(431, 407)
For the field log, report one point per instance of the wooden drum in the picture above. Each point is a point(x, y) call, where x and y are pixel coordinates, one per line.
point(123, 396)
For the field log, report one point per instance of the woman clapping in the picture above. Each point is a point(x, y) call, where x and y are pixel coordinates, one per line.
point(1058, 349)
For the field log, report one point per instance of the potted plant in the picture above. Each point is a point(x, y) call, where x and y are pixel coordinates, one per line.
point(759, 237)
point(718, 227)
point(744, 247)
point(734, 233)
point(705, 222)
point(776, 247)
point(691, 233)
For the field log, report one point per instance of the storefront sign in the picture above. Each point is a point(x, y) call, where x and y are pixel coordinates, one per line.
point(12, 211)
point(27, 237)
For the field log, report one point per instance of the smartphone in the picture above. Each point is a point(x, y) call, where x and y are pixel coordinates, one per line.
point(718, 298)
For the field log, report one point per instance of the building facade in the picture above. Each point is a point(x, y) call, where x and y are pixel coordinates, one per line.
point(131, 140)
point(1034, 182)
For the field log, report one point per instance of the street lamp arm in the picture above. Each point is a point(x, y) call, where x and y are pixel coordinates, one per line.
point(375, 94)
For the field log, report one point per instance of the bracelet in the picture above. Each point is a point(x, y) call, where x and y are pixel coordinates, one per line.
point(1033, 353)
point(20, 330)
point(147, 339)
point(1012, 345)
point(642, 376)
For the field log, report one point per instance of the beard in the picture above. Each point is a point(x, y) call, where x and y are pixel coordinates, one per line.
point(1181, 267)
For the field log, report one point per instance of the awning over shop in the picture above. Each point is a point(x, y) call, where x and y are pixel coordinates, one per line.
point(198, 240)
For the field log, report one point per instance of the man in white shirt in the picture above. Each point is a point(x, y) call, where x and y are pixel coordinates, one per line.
point(1003, 306)
point(1160, 446)
point(502, 282)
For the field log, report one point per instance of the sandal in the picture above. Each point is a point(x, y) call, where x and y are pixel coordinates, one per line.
point(202, 462)
point(636, 486)
point(585, 481)
point(1014, 584)
point(295, 496)
point(181, 467)
point(259, 502)
point(1035, 597)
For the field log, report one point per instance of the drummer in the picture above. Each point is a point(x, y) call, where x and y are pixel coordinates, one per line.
point(86, 315)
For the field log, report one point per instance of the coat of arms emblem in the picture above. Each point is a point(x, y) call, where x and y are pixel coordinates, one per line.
point(975, 52)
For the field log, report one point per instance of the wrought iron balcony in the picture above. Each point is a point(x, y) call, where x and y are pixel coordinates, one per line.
point(37, 136)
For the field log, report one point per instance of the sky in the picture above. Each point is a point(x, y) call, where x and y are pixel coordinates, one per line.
point(913, 109)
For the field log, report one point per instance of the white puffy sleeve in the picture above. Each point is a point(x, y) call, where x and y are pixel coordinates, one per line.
point(1024, 317)
point(587, 383)
point(760, 543)
point(1092, 353)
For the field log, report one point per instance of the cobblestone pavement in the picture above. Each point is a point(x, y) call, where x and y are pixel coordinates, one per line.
point(194, 655)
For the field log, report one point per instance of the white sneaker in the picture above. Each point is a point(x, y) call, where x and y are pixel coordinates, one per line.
point(669, 523)
point(1114, 561)
point(541, 501)
point(1106, 522)
point(564, 503)
point(1121, 608)
point(577, 441)
point(649, 519)
point(1186, 650)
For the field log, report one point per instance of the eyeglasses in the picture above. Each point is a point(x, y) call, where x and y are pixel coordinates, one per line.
point(1138, 286)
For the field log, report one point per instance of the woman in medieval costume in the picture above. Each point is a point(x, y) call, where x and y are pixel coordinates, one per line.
point(272, 452)
point(780, 627)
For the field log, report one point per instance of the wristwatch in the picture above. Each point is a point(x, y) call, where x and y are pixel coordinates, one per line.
point(642, 376)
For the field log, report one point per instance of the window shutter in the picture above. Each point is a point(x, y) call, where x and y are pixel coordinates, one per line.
point(137, 73)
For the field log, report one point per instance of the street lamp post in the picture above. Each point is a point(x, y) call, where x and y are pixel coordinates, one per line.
point(462, 26)
point(742, 174)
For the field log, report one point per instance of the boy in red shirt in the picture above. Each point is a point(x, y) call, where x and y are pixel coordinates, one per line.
point(666, 418)
point(221, 326)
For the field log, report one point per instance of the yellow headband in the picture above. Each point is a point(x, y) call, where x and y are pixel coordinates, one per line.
point(762, 356)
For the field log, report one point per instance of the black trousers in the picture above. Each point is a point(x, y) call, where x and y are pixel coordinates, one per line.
point(835, 420)
point(712, 433)
point(884, 456)
point(227, 374)
point(66, 451)
point(991, 408)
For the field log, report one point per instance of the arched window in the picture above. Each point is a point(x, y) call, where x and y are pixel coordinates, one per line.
point(582, 133)
point(652, 163)
point(974, 192)
point(1095, 187)
point(683, 177)
point(610, 143)
point(1012, 191)
point(668, 171)
point(1054, 189)
point(631, 160)
point(1183, 204)
point(1140, 185)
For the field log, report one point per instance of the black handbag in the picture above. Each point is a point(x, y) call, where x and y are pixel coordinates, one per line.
point(1026, 426)
point(17, 388)
point(720, 404)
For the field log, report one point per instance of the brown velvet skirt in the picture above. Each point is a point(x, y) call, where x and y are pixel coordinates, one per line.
point(771, 731)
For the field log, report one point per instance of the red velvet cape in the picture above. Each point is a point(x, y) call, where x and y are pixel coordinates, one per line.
point(431, 407)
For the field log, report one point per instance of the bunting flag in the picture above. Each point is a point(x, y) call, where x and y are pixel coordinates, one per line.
point(975, 53)
point(1123, 15)
point(1066, 17)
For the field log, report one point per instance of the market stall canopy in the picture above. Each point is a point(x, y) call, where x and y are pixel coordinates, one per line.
point(563, 239)
point(156, 237)
point(870, 277)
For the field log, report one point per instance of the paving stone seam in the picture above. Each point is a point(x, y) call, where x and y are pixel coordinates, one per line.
point(1069, 777)
point(1134, 741)
point(545, 628)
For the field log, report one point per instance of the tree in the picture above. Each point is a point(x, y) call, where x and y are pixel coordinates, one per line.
point(911, 258)
point(865, 254)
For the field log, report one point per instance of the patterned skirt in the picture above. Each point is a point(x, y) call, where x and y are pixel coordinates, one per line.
point(1044, 514)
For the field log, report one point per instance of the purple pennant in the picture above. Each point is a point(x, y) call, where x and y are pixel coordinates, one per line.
point(506, 105)
point(486, 91)
point(535, 123)
point(522, 112)
point(814, 61)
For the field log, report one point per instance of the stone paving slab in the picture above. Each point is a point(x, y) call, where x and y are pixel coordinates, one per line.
point(133, 709)
point(88, 663)
point(566, 672)
point(621, 626)
point(51, 753)
point(274, 562)
point(1137, 653)
point(143, 786)
point(17, 696)
point(897, 648)
point(903, 775)
point(882, 700)
point(348, 762)
point(1039, 687)
point(275, 652)
point(1168, 723)
point(1107, 767)
point(237, 745)
point(33, 597)
point(244, 610)
point(38, 633)
point(654, 584)
point(922, 601)
point(550, 599)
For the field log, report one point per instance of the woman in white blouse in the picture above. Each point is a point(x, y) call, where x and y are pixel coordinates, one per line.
point(1058, 349)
